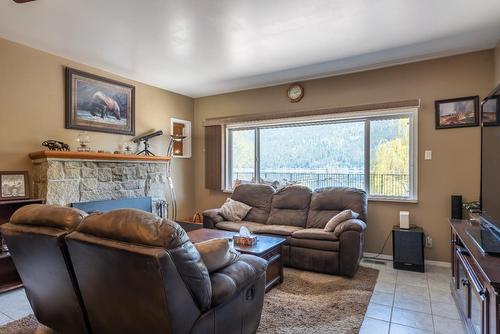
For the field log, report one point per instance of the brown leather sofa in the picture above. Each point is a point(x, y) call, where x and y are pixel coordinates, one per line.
point(128, 271)
point(300, 215)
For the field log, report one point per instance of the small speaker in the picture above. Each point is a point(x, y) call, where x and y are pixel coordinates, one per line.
point(456, 207)
point(404, 220)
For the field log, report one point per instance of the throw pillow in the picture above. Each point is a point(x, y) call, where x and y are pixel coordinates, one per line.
point(233, 210)
point(339, 218)
point(217, 254)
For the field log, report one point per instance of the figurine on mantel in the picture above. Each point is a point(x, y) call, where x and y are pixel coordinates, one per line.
point(55, 145)
point(84, 140)
point(128, 148)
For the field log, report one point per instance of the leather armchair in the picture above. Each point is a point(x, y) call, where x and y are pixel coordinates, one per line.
point(139, 273)
point(35, 236)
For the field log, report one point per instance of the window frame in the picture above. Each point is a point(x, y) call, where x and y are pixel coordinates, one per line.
point(365, 116)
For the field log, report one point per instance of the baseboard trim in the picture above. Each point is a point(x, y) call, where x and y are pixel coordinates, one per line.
point(438, 263)
point(389, 257)
point(379, 257)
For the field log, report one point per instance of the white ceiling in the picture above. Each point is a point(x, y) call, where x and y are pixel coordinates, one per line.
point(206, 47)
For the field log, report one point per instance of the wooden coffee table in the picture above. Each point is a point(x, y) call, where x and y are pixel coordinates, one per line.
point(268, 248)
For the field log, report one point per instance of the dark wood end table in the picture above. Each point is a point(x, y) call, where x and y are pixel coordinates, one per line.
point(268, 248)
point(9, 278)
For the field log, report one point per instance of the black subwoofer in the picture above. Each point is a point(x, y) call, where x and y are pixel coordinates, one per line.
point(408, 248)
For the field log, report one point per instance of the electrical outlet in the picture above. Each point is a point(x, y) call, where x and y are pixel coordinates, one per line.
point(428, 241)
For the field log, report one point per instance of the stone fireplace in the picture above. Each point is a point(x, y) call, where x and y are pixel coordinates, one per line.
point(69, 177)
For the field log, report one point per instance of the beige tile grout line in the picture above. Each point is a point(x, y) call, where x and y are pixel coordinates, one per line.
point(7, 316)
point(430, 302)
point(393, 300)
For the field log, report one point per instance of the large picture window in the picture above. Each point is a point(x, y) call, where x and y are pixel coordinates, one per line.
point(373, 151)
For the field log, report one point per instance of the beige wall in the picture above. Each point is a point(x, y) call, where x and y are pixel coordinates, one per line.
point(497, 64)
point(32, 110)
point(454, 168)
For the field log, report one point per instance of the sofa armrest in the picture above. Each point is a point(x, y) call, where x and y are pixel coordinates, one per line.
point(211, 218)
point(356, 225)
point(230, 280)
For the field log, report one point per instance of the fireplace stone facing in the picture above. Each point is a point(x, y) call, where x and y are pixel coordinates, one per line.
point(65, 181)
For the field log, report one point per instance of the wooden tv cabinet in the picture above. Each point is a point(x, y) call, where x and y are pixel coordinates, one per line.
point(475, 283)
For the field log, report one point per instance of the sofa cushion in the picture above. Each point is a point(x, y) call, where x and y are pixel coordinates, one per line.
point(235, 226)
point(235, 277)
point(327, 245)
point(314, 233)
point(258, 196)
point(327, 202)
point(284, 230)
point(290, 206)
point(217, 253)
point(339, 218)
point(233, 210)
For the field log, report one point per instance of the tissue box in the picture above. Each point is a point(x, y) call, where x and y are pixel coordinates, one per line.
point(244, 241)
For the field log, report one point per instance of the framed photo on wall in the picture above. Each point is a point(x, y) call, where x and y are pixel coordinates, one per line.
point(95, 103)
point(14, 185)
point(457, 113)
point(491, 111)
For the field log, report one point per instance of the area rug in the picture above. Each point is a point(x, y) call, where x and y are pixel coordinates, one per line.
point(306, 303)
point(26, 325)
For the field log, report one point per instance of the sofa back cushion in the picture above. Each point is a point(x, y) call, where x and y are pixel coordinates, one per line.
point(327, 202)
point(290, 206)
point(258, 196)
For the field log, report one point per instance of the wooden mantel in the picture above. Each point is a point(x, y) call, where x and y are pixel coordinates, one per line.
point(72, 155)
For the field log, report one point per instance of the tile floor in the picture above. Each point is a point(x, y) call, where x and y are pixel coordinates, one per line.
point(403, 303)
point(406, 302)
point(13, 305)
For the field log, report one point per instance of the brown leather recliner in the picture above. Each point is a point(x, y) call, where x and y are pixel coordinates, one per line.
point(140, 274)
point(35, 236)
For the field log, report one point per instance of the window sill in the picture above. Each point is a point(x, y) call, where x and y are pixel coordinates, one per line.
point(393, 200)
point(370, 199)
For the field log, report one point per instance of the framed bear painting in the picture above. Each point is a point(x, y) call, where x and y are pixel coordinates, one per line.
point(94, 103)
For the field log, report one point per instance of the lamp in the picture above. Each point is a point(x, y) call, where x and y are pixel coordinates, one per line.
point(173, 139)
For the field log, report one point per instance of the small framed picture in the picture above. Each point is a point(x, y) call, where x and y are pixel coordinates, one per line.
point(14, 185)
point(457, 113)
point(491, 111)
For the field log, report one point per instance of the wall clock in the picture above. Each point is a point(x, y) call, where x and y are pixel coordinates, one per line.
point(295, 92)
